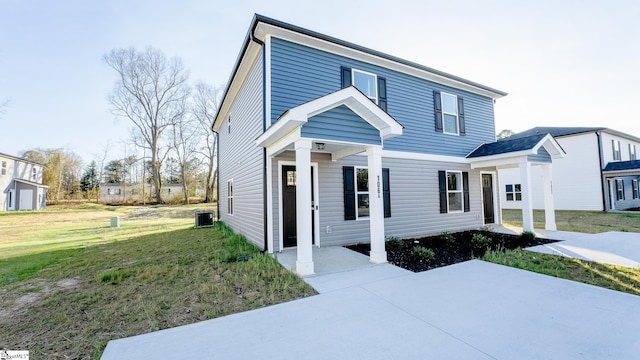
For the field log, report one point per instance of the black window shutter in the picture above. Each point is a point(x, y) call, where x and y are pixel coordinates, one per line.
point(345, 74)
point(465, 191)
point(437, 108)
point(349, 193)
point(442, 180)
point(461, 116)
point(382, 93)
point(386, 192)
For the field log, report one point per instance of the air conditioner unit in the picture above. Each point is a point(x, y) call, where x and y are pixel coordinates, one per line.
point(204, 218)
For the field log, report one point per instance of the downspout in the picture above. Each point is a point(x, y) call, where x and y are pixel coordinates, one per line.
point(264, 150)
point(602, 182)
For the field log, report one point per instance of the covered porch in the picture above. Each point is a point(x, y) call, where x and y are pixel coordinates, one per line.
point(524, 153)
point(339, 124)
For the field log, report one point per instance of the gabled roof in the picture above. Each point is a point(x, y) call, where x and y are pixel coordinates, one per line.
point(20, 159)
point(623, 165)
point(507, 146)
point(262, 26)
point(31, 183)
point(560, 131)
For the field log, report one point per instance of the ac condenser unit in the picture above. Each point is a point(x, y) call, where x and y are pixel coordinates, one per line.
point(204, 218)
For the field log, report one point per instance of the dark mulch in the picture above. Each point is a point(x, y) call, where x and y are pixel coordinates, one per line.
point(448, 248)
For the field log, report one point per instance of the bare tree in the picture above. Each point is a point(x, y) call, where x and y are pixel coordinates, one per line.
point(61, 171)
point(505, 134)
point(151, 92)
point(204, 106)
point(185, 141)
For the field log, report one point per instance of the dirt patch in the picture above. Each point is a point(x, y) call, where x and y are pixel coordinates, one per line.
point(448, 248)
point(36, 289)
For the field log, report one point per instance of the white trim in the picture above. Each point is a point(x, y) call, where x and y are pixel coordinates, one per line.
point(11, 196)
point(269, 190)
point(267, 77)
point(612, 189)
point(457, 114)
point(263, 29)
point(355, 186)
point(316, 203)
point(495, 194)
point(375, 83)
point(420, 156)
point(232, 197)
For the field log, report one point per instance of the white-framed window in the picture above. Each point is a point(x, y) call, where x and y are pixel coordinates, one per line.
point(632, 152)
point(10, 198)
point(229, 125)
point(34, 174)
point(619, 189)
point(118, 191)
point(230, 197)
point(365, 82)
point(636, 190)
point(514, 192)
point(3, 170)
point(362, 192)
point(616, 150)
point(450, 124)
point(455, 199)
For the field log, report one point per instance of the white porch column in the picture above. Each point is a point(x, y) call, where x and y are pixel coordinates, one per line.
point(549, 207)
point(376, 205)
point(269, 190)
point(527, 209)
point(304, 262)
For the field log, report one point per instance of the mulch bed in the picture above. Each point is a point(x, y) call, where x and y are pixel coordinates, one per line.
point(448, 248)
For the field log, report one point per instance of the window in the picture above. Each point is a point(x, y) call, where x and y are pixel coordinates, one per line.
point(3, 171)
point(619, 189)
point(229, 125)
point(356, 192)
point(449, 113)
point(636, 190)
point(230, 197)
point(33, 174)
point(371, 85)
point(632, 152)
point(454, 191)
point(514, 192)
point(616, 150)
point(118, 191)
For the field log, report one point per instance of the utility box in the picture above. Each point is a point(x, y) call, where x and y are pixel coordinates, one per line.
point(204, 218)
point(115, 221)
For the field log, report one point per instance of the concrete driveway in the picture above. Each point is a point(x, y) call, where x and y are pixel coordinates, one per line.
point(471, 310)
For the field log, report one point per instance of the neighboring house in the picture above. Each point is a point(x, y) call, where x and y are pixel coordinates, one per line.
point(600, 171)
point(389, 147)
point(118, 193)
point(21, 184)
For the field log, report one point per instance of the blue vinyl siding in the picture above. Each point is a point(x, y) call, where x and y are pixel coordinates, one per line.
point(300, 74)
point(542, 156)
point(341, 124)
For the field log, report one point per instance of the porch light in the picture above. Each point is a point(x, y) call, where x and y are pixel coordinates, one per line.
point(320, 146)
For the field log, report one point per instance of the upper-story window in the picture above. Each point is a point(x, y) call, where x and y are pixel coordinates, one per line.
point(370, 84)
point(34, 174)
point(616, 150)
point(367, 83)
point(449, 113)
point(3, 170)
point(632, 152)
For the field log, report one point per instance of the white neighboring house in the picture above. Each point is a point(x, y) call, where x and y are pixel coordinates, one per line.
point(21, 184)
point(600, 171)
point(115, 192)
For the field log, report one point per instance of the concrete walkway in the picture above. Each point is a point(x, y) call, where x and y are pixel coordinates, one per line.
point(471, 310)
point(614, 247)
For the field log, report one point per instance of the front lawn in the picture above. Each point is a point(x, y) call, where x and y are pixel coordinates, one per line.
point(591, 222)
point(67, 304)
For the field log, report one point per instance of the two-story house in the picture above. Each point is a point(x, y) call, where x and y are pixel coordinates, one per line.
point(388, 147)
point(600, 172)
point(21, 184)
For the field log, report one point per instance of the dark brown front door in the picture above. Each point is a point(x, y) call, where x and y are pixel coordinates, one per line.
point(487, 198)
point(289, 231)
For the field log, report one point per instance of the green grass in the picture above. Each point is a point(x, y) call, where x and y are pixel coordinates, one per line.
point(69, 302)
point(591, 222)
point(607, 276)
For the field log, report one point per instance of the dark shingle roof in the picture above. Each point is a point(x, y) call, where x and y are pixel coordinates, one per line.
point(507, 145)
point(554, 131)
point(623, 165)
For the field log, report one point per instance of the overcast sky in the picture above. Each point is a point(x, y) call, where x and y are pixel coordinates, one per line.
point(563, 63)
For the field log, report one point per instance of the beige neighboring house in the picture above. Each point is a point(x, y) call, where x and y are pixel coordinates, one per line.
point(21, 184)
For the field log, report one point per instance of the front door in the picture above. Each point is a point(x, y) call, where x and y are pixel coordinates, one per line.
point(487, 198)
point(26, 199)
point(289, 231)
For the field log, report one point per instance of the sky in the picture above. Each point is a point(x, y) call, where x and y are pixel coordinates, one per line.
point(563, 63)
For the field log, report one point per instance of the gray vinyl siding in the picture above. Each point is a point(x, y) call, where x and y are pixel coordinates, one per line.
point(629, 201)
point(301, 74)
point(415, 209)
point(542, 156)
point(241, 160)
point(341, 124)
